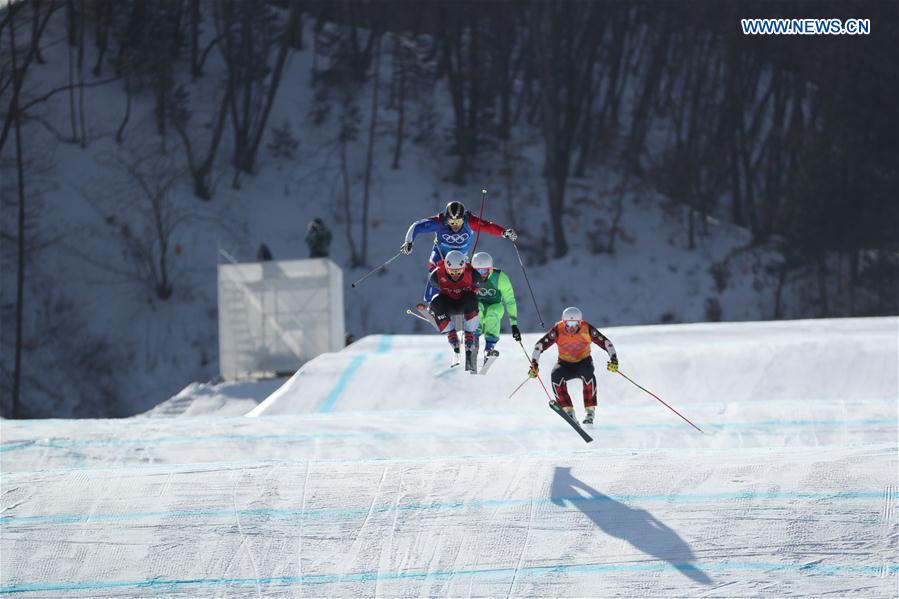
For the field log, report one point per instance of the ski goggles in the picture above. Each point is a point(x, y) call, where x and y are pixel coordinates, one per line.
point(572, 324)
point(455, 222)
point(484, 272)
point(455, 272)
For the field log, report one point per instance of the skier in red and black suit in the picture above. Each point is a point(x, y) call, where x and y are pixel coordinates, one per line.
point(457, 285)
point(574, 335)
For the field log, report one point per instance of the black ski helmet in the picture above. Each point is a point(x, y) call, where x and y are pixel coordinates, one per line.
point(455, 210)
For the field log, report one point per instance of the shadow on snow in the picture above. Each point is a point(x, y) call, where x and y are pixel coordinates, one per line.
point(638, 527)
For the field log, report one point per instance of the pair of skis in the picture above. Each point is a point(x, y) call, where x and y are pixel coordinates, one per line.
point(471, 356)
point(554, 405)
point(457, 361)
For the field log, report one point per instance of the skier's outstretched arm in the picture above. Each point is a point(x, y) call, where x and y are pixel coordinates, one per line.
point(425, 225)
point(604, 342)
point(545, 342)
point(508, 294)
point(491, 228)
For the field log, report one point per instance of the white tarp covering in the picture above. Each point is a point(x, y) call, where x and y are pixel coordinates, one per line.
point(273, 316)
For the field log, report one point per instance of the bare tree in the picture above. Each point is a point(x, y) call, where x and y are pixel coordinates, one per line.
point(37, 25)
point(348, 132)
point(459, 46)
point(19, 68)
point(105, 14)
point(399, 74)
point(145, 215)
point(565, 47)
point(369, 157)
point(248, 40)
point(18, 77)
point(200, 165)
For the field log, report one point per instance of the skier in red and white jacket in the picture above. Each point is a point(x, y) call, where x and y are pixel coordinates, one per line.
point(457, 285)
point(574, 336)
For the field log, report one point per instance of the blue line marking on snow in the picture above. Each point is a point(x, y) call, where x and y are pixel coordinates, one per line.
point(384, 344)
point(415, 507)
point(345, 376)
point(328, 405)
point(823, 569)
point(12, 446)
point(282, 438)
point(179, 467)
point(799, 422)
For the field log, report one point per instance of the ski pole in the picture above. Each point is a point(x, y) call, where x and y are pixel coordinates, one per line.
point(418, 316)
point(519, 387)
point(525, 272)
point(660, 399)
point(538, 374)
point(376, 269)
point(480, 218)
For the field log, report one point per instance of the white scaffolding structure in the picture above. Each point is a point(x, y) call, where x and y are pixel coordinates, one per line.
point(275, 315)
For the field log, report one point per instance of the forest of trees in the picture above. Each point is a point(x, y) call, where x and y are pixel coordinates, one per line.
point(792, 137)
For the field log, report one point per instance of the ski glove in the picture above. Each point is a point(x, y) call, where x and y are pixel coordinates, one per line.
point(613, 365)
point(510, 234)
point(516, 334)
point(407, 248)
point(534, 368)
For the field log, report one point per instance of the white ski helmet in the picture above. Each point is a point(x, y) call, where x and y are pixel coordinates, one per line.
point(482, 261)
point(572, 313)
point(454, 260)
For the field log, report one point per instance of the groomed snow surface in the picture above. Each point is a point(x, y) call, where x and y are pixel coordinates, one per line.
point(372, 473)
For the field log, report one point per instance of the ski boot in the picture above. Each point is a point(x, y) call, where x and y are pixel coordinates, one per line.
point(471, 354)
point(588, 419)
point(453, 340)
point(490, 353)
point(489, 350)
point(570, 412)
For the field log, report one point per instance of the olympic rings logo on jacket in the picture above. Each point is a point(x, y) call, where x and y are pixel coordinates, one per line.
point(486, 292)
point(455, 238)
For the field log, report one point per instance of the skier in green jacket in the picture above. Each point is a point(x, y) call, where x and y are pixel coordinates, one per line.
point(494, 296)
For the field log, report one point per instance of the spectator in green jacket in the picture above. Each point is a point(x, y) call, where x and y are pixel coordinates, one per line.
point(318, 238)
point(495, 295)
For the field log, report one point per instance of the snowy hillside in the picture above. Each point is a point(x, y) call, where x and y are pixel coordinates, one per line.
point(122, 350)
point(365, 475)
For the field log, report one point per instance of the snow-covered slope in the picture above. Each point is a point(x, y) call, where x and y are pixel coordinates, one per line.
point(708, 364)
point(126, 350)
point(230, 398)
point(365, 475)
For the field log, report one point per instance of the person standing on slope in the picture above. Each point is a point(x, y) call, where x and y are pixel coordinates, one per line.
point(457, 284)
point(574, 335)
point(453, 230)
point(495, 296)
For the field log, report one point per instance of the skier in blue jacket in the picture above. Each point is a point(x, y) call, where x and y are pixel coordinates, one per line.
point(453, 229)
